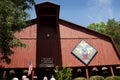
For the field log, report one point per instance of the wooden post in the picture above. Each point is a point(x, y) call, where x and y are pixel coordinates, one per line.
point(111, 69)
point(87, 73)
point(4, 74)
point(32, 74)
point(100, 70)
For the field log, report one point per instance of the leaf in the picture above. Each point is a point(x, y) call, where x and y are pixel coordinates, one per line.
point(13, 18)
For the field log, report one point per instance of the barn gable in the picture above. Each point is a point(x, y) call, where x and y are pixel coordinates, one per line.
point(71, 34)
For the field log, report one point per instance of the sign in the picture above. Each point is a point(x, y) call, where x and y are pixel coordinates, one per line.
point(84, 51)
point(46, 62)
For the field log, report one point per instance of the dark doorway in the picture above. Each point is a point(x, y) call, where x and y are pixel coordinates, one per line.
point(42, 72)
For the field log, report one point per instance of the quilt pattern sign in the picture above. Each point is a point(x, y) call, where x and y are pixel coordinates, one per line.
point(84, 51)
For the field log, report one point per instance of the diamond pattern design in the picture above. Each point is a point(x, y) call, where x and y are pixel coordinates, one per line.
point(84, 51)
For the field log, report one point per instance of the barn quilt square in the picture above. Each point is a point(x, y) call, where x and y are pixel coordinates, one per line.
point(84, 51)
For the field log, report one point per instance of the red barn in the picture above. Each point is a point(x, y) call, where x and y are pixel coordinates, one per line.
point(56, 42)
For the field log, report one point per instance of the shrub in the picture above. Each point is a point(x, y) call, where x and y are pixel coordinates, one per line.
point(113, 78)
point(25, 71)
point(80, 78)
point(97, 78)
point(63, 73)
point(12, 71)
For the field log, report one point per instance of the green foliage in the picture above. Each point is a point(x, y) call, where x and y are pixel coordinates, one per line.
point(100, 27)
point(112, 28)
point(97, 78)
point(13, 18)
point(113, 78)
point(12, 71)
point(63, 73)
point(80, 78)
point(25, 71)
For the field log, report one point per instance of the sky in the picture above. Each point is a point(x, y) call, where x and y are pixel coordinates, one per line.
point(85, 12)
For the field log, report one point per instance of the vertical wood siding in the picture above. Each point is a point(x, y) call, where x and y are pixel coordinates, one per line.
point(22, 56)
point(60, 45)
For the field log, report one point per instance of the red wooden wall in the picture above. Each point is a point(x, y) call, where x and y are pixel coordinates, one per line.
point(71, 35)
point(22, 56)
point(64, 36)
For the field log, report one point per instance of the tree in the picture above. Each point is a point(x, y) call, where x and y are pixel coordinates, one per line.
point(100, 27)
point(112, 28)
point(13, 18)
